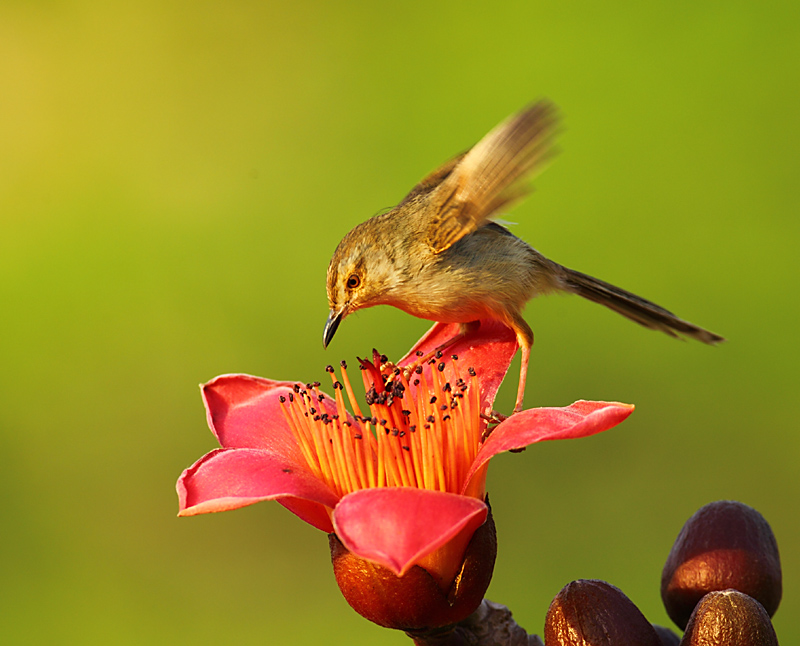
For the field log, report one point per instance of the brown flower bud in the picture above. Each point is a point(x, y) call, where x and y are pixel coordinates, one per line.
point(667, 637)
point(595, 613)
point(415, 602)
point(725, 544)
point(729, 617)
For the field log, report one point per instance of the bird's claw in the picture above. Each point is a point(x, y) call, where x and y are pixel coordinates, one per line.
point(493, 419)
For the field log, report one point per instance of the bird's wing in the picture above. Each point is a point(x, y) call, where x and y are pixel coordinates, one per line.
point(432, 180)
point(472, 187)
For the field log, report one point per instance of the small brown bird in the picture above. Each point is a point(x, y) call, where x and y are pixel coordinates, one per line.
point(438, 256)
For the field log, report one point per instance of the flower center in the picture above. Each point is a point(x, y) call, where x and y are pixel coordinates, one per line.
point(422, 434)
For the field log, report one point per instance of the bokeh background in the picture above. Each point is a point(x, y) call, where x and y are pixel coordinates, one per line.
point(174, 177)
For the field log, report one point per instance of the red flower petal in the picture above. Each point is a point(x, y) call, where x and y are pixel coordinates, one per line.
point(244, 412)
point(489, 349)
point(581, 419)
point(397, 526)
point(231, 478)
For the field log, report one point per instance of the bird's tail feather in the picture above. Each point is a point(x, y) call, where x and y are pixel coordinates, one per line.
point(634, 307)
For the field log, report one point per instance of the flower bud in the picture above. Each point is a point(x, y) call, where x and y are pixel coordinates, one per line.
point(595, 613)
point(415, 602)
point(667, 637)
point(729, 617)
point(725, 544)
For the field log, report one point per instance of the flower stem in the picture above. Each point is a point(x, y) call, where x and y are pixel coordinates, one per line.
point(490, 625)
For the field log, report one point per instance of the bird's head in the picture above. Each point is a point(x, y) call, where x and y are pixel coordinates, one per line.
point(362, 273)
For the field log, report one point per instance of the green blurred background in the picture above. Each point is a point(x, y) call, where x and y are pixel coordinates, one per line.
point(174, 177)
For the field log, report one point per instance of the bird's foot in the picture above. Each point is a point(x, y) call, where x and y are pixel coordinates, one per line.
point(492, 420)
point(494, 417)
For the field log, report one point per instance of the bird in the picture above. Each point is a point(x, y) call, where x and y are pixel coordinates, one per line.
point(440, 255)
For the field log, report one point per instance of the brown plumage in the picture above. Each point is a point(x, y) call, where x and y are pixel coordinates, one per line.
point(437, 255)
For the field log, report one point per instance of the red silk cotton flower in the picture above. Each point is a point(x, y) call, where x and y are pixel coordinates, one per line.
point(402, 486)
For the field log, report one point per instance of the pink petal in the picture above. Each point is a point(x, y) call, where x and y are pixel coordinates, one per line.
point(581, 419)
point(397, 526)
point(244, 412)
point(489, 349)
point(231, 478)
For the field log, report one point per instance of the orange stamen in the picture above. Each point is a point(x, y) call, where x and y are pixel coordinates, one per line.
point(427, 441)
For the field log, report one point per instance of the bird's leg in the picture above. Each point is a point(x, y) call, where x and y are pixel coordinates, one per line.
point(525, 340)
point(523, 374)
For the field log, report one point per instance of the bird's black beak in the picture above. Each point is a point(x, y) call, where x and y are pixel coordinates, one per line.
point(334, 318)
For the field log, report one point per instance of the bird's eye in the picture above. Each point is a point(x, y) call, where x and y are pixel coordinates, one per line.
point(353, 281)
